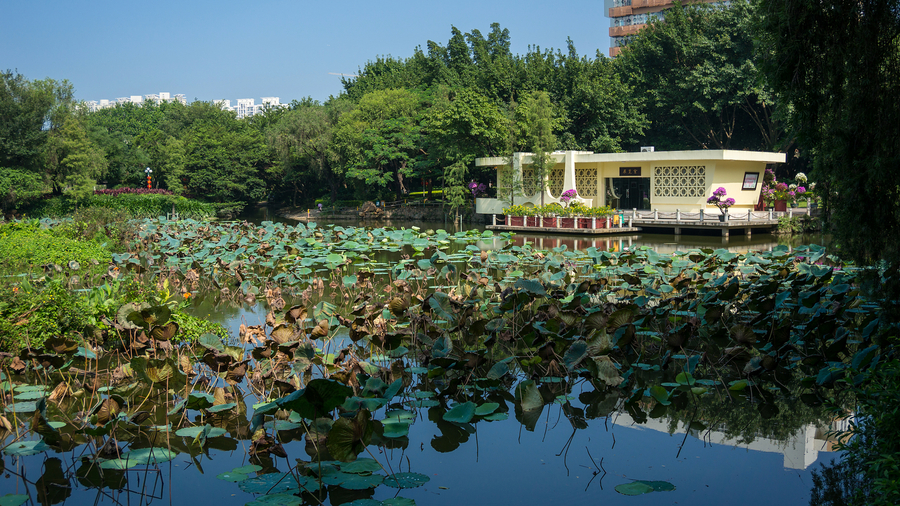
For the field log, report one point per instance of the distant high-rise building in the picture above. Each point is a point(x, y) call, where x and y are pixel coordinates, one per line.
point(627, 17)
point(247, 107)
point(94, 105)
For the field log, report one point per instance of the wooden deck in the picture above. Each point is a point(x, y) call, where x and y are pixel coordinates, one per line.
point(634, 221)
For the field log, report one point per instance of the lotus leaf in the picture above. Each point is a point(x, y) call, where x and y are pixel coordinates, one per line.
point(406, 480)
point(349, 437)
point(277, 500)
point(319, 397)
point(26, 448)
point(460, 413)
point(275, 483)
point(141, 457)
point(361, 466)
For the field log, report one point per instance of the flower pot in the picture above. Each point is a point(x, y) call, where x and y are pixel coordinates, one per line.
point(567, 223)
point(550, 221)
point(516, 221)
point(793, 204)
point(780, 205)
point(723, 217)
point(531, 221)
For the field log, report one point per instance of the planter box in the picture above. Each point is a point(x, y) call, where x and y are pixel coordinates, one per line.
point(585, 223)
point(550, 221)
point(516, 221)
point(532, 221)
point(567, 223)
point(780, 205)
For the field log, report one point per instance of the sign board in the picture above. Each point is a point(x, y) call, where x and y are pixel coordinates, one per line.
point(629, 171)
point(750, 180)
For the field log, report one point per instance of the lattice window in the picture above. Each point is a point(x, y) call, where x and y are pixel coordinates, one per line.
point(557, 179)
point(586, 182)
point(529, 181)
point(679, 181)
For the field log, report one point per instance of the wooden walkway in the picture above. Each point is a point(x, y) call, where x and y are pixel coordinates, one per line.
point(634, 220)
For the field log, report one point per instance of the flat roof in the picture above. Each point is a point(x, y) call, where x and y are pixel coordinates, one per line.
point(654, 156)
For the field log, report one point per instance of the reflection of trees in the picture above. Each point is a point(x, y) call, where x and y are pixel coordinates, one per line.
point(836, 484)
point(745, 418)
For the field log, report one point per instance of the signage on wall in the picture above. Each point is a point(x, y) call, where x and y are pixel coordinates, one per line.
point(750, 180)
point(629, 171)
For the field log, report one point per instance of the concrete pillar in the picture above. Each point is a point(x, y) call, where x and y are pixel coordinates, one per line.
point(724, 231)
point(656, 214)
point(771, 214)
point(569, 171)
point(594, 223)
point(677, 215)
point(702, 217)
point(494, 220)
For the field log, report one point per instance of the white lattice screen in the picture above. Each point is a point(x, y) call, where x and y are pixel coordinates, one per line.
point(586, 182)
point(679, 181)
point(557, 179)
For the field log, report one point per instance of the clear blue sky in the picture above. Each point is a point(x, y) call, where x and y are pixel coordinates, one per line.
point(226, 49)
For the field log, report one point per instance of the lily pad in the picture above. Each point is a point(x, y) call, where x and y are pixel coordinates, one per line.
point(197, 430)
point(272, 483)
point(461, 413)
point(232, 476)
point(13, 499)
point(25, 448)
point(640, 487)
point(406, 480)
point(361, 466)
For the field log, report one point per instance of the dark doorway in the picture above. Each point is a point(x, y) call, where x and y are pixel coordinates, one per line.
point(631, 192)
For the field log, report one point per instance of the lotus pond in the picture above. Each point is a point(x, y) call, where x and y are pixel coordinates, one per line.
point(384, 366)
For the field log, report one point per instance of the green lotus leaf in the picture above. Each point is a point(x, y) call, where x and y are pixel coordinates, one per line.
point(633, 488)
point(200, 400)
point(277, 500)
point(361, 466)
point(318, 398)
point(361, 482)
point(251, 468)
point(26, 448)
point(406, 480)
point(461, 413)
point(198, 430)
point(13, 499)
point(222, 407)
point(400, 501)
point(232, 476)
point(211, 342)
point(486, 409)
point(272, 483)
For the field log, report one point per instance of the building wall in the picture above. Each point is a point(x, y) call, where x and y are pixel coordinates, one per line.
point(679, 180)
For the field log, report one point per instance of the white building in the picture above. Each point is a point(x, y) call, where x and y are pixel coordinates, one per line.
point(165, 96)
point(247, 107)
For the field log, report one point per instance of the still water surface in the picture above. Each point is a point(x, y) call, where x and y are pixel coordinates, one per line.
point(573, 453)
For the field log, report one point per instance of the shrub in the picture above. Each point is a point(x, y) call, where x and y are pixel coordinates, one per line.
point(27, 244)
point(29, 314)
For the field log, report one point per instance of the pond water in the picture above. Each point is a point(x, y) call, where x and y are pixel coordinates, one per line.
point(724, 449)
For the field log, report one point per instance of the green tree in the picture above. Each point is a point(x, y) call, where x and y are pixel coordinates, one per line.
point(695, 73)
point(380, 140)
point(537, 127)
point(73, 161)
point(836, 66)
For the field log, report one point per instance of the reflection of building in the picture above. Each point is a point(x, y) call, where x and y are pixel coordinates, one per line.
point(663, 180)
point(627, 17)
point(800, 451)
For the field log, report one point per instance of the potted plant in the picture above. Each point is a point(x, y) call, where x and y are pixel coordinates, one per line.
point(567, 219)
point(718, 199)
point(515, 215)
point(551, 213)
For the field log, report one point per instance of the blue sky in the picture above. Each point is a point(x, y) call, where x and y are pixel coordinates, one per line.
point(228, 49)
